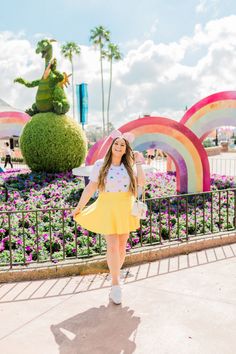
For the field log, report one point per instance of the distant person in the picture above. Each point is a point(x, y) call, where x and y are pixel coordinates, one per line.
point(160, 153)
point(150, 155)
point(8, 153)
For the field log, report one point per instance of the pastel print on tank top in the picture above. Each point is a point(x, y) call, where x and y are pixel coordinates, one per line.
point(117, 179)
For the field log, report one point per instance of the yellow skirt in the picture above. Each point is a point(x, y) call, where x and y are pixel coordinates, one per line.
point(109, 214)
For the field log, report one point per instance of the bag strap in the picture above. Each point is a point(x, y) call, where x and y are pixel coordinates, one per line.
point(143, 195)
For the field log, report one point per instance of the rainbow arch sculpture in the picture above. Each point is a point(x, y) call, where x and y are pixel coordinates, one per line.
point(12, 123)
point(210, 113)
point(180, 143)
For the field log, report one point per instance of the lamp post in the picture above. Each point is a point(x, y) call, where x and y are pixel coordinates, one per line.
point(216, 140)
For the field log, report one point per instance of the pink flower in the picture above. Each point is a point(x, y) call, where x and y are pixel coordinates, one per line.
point(29, 258)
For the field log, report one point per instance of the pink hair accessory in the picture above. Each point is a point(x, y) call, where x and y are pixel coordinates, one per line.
point(127, 136)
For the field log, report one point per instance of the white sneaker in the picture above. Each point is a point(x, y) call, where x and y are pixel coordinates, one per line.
point(115, 294)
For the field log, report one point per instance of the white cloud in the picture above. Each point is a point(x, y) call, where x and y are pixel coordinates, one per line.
point(204, 6)
point(201, 6)
point(153, 29)
point(133, 44)
point(152, 79)
point(157, 79)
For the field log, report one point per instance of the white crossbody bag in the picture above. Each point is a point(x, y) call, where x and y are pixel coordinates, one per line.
point(139, 208)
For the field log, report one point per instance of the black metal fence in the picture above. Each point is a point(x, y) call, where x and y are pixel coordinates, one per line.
point(42, 235)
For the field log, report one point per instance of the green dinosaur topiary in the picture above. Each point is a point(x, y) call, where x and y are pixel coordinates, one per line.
point(50, 96)
point(53, 143)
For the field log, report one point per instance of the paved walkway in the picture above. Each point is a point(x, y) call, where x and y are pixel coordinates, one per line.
point(185, 304)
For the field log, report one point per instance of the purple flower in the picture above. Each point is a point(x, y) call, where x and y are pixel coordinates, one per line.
point(128, 246)
point(2, 247)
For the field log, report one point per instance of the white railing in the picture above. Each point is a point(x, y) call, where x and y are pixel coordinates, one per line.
point(222, 165)
point(159, 164)
point(16, 165)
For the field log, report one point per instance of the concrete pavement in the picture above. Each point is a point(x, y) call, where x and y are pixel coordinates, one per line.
point(185, 304)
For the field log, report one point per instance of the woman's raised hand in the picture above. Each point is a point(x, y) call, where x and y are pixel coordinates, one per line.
point(138, 156)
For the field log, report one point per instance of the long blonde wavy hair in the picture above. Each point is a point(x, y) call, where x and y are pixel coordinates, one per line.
point(128, 161)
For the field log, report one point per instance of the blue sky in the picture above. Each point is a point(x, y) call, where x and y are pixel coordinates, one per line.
point(128, 20)
point(175, 52)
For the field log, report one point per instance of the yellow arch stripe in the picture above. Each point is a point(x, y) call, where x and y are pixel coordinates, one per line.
point(210, 107)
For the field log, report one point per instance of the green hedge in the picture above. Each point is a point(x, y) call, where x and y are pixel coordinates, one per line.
point(53, 143)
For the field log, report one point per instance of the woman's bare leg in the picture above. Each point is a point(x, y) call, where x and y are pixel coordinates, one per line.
point(122, 247)
point(113, 257)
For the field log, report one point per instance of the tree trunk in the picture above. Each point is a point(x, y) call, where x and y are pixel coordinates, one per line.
point(109, 97)
point(103, 116)
point(73, 89)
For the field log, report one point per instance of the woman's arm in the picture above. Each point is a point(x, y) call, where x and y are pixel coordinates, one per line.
point(88, 192)
point(141, 179)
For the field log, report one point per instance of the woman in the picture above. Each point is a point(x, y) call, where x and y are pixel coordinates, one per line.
point(8, 153)
point(110, 214)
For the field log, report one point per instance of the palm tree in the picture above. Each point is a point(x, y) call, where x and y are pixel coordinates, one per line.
point(113, 53)
point(68, 50)
point(99, 36)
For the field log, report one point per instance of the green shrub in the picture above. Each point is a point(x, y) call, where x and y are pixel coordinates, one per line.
point(53, 143)
point(208, 143)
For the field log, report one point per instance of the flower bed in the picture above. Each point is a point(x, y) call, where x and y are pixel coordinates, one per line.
point(53, 235)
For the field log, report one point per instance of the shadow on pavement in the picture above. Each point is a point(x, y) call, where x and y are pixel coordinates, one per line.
point(49, 288)
point(106, 329)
